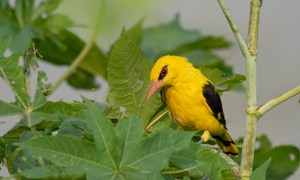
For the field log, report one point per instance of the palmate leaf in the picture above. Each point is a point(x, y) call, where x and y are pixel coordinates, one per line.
point(102, 130)
point(47, 117)
point(123, 152)
point(68, 151)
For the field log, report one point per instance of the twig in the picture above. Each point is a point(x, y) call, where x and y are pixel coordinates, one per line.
point(274, 102)
point(84, 51)
point(242, 44)
point(156, 120)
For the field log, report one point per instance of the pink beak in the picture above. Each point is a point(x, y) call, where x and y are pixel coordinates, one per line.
point(153, 88)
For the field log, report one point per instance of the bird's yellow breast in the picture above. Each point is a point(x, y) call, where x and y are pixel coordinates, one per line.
point(188, 106)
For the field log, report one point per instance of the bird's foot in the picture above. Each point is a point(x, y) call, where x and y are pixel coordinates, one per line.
point(205, 136)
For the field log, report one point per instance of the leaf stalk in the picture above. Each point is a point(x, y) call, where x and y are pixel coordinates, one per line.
point(84, 51)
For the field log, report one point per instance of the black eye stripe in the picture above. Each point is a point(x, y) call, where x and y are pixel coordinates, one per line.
point(163, 72)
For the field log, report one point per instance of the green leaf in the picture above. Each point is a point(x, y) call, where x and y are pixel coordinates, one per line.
point(2, 149)
point(152, 154)
point(81, 79)
point(264, 142)
point(222, 83)
point(21, 159)
point(73, 127)
point(70, 152)
point(45, 7)
point(50, 172)
point(135, 33)
point(14, 76)
point(3, 44)
point(208, 59)
point(54, 111)
point(47, 117)
point(285, 161)
point(102, 129)
point(9, 109)
point(129, 132)
point(260, 172)
point(126, 77)
point(23, 11)
point(59, 22)
point(166, 37)
point(199, 160)
point(21, 41)
point(207, 42)
point(63, 48)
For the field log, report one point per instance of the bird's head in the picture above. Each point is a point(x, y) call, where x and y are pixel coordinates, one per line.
point(165, 72)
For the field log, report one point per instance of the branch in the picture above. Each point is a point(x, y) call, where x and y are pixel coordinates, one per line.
point(84, 51)
point(274, 102)
point(242, 44)
point(251, 124)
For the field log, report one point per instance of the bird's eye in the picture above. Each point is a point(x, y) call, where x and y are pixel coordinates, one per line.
point(163, 72)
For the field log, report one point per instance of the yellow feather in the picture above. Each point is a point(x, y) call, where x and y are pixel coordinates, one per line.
point(183, 87)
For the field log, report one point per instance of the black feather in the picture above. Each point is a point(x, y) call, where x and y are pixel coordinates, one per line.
point(214, 101)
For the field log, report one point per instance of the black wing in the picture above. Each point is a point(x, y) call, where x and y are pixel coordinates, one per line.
point(214, 101)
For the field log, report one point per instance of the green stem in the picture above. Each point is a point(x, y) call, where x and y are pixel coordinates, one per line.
point(84, 51)
point(242, 44)
point(251, 124)
point(274, 102)
point(249, 53)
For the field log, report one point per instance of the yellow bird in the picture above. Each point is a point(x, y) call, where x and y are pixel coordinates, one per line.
point(192, 99)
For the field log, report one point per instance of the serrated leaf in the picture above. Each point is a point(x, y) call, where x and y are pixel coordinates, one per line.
point(9, 109)
point(166, 37)
point(129, 132)
point(68, 151)
point(14, 76)
point(152, 154)
point(47, 117)
point(260, 172)
point(135, 33)
point(222, 83)
point(102, 129)
point(126, 82)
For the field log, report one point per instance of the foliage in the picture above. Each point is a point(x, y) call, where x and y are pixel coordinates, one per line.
point(91, 140)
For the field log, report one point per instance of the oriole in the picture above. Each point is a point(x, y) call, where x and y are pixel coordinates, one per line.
point(192, 99)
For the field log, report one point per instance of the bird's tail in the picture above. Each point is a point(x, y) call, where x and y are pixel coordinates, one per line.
point(226, 143)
